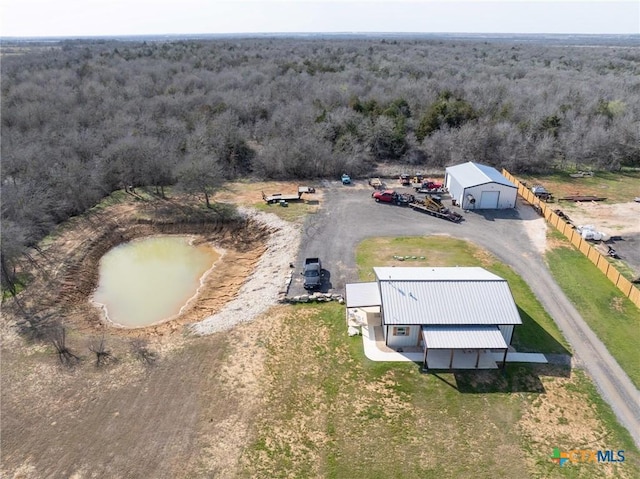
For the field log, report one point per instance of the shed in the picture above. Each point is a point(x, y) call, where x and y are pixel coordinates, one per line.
point(479, 187)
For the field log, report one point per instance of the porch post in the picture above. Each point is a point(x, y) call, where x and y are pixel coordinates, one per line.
point(451, 359)
point(478, 359)
point(504, 359)
point(426, 355)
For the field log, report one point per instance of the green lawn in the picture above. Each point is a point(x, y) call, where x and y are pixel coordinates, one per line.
point(617, 187)
point(330, 412)
point(538, 332)
point(611, 316)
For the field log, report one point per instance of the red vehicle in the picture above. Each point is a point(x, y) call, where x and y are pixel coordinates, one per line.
point(429, 186)
point(390, 196)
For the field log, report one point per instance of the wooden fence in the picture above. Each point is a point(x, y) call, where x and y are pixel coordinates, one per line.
point(597, 258)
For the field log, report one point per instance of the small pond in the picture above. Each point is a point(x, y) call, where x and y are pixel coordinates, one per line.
point(149, 280)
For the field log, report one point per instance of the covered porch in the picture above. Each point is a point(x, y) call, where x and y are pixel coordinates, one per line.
point(462, 347)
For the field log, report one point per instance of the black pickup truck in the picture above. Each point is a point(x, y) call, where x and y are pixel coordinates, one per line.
point(312, 272)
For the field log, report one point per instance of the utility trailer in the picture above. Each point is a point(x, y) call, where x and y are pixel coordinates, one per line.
point(279, 197)
point(432, 205)
point(377, 183)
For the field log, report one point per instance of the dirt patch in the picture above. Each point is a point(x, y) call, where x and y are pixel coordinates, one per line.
point(562, 414)
point(613, 219)
point(535, 226)
point(620, 222)
point(565, 417)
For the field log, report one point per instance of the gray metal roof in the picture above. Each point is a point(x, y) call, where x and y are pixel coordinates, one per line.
point(463, 337)
point(431, 273)
point(358, 295)
point(445, 296)
point(472, 174)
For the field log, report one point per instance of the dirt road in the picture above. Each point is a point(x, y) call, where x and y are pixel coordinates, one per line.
point(349, 215)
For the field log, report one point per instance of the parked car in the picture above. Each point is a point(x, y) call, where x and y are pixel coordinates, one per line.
point(346, 179)
point(312, 272)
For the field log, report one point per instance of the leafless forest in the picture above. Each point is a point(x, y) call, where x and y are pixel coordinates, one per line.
point(83, 118)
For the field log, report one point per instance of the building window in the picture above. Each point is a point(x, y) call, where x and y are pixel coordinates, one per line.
point(401, 331)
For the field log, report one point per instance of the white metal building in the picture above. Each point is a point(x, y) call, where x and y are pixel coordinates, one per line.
point(450, 314)
point(479, 187)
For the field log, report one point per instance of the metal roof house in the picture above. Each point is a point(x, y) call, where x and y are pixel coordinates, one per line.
point(456, 316)
point(480, 187)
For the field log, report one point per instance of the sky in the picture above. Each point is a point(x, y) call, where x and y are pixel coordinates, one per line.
point(81, 18)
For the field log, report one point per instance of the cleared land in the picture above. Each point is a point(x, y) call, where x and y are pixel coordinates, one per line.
point(618, 216)
point(289, 395)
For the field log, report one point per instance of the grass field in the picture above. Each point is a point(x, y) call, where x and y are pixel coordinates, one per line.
point(330, 412)
point(538, 332)
point(611, 316)
point(617, 187)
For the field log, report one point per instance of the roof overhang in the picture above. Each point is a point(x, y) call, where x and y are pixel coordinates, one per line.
point(463, 337)
point(359, 295)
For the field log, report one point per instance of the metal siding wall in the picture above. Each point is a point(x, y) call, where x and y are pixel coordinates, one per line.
point(507, 333)
point(475, 192)
point(456, 191)
point(401, 341)
point(507, 198)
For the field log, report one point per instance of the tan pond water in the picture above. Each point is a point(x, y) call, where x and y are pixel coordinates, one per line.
point(149, 280)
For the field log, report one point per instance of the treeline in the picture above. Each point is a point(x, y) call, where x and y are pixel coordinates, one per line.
point(81, 119)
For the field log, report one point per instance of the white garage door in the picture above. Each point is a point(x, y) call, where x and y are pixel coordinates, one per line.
point(489, 200)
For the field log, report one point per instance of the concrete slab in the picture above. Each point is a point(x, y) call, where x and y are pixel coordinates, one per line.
point(515, 357)
point(372, 352)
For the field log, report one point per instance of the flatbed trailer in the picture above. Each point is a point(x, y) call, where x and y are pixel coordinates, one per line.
point(444, 213)
point(430, 191)
point(278, 197)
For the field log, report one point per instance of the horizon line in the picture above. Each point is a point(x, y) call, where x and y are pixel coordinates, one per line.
point(249, 34)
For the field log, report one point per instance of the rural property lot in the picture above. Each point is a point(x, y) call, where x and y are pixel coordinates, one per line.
point(194, 411)
point(349, 215)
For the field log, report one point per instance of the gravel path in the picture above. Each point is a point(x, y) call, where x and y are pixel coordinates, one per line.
point(262, 290)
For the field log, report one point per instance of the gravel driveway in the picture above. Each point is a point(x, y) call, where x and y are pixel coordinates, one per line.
point(349, 215)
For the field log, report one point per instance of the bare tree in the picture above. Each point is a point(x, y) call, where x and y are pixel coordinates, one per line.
point(200, 175)
point(99, 348)
point(59, 341)
point(140, 348)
